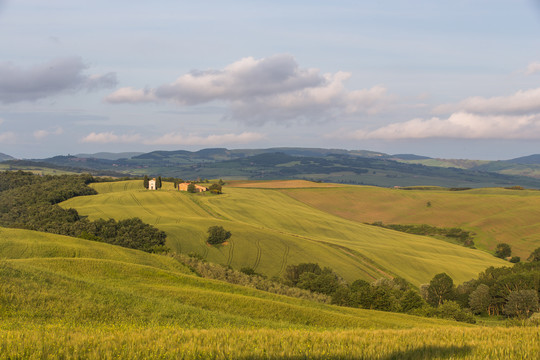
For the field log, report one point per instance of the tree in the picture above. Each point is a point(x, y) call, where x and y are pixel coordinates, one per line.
point(480, 299)
point(503, 250)
point(515, 259)
point(145, 181)
point(293, 272)
point(158, 182)
point(215, 189)
point(441, 288)
point(191, 188)
point(411, 300)
point(217, 235)
point(325, 283)
point(522, 303)
point(535, 255)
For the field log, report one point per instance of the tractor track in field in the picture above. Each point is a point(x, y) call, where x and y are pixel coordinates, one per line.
point(231, 253)
point(140, 204)
point(125, 186)
point(369, 263)
point(285, 256)
point(205, 251)
point(158, 219)
point(259, 253)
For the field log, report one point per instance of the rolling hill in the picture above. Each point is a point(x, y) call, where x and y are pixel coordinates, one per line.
point(4, 157)
point(327, 165)
point(496, 215)
point(64, 297)
point(272, 230)
point(61, 285)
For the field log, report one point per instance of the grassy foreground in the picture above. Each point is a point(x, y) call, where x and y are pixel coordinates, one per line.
point(176, 343)
point(67, 298)
point(271, 230)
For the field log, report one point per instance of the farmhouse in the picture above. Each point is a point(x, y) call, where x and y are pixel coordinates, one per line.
point(198, 188)
point(152, 184)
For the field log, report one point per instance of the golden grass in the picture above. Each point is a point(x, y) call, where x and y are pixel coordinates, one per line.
point(495, 215)
point(175, 343)
point(279, 184)
point(271, 230)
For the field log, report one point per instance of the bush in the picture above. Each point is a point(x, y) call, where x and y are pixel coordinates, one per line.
point(503, 251)
point(217, 235)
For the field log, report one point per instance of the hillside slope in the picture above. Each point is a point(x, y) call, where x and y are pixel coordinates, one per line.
point(105, 284)
point(495, 215)
point(271, 230)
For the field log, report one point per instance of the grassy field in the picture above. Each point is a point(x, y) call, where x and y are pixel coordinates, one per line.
point(35, 170)
point(62, 281)
point(67, 298)
point(176, 343)
point(496, 215)
point(271, 230)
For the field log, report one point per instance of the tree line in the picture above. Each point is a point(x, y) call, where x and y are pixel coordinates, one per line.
point(29, 201)
point(461, 236)
point(511, 291)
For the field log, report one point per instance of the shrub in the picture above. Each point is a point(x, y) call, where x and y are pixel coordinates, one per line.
point(503, 250)
point(217, 235)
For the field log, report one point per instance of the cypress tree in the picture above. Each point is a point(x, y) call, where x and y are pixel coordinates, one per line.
point(145, 181)
point(158, 182)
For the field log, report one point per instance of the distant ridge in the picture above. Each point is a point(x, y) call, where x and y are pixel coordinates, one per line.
point(110, 155)
point(530, 159)
point(410, 157)
point(4, 157)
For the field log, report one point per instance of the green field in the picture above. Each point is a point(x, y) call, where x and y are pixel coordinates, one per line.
point(65, 298)
point(496, 215)
point(35, 169)
point(271, 230)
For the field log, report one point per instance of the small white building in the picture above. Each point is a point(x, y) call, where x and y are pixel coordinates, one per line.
point(152, 184)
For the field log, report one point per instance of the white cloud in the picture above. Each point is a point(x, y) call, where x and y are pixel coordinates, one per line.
point(210, 140)
point(174, 139)
point(263, 90)
point(8, 138)
point(48, 79)
point(522, 102)
point(459, 125)
point(40, 134)
point(533, 68)
point(110, 137)
point(131, 95)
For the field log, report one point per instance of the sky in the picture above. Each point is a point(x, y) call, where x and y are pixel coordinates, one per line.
point(445, 78)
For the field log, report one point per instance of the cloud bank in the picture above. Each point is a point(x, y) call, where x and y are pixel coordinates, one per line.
point(40, 134)
point(52, 78)
point(533, 68)
point(516, 116)
point(174, 139)
point(262, 90)
point(459, 125)
point(522, 102)
point(110, 137)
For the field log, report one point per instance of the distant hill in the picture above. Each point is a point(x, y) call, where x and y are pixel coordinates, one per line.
point(409, 157)
point(531, 159)
point(327, 165)
point(4, 157)
point(109, 155)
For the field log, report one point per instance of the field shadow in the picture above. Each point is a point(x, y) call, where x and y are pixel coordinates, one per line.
point(429, 352)
point(424, 352)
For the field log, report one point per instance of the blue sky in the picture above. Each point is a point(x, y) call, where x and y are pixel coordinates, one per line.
point(455, 79)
